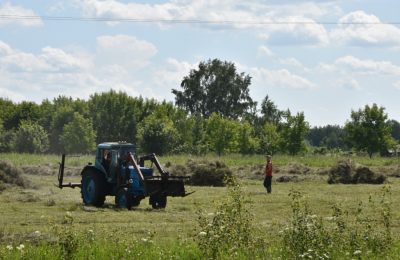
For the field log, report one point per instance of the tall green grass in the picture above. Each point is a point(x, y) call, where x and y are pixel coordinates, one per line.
point(20, 159)
point(282, 160)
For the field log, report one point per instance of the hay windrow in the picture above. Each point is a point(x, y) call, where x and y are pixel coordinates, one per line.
point(11, 176)
point(347, 172)
point(287, 178)
point(202, 173)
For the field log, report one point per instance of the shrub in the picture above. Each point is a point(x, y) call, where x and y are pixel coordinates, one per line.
point(343, 235)
point(31, 138)
point(228, 231)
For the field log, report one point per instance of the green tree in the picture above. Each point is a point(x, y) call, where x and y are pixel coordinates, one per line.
point(329, 136)
point(25, 111)
point(113, 115)
point(31, 138)
point(395, 126)
point(78, 135)
point(270, 112)
point(157, 134)
point(247, 141)
point(368, 130)
point(6, 138)
point(58, 113)
point(215, 87)
point(293, 133)
point(221, 134)
point(7, 108)
point(61, 116)
point(270, 139)
point(198, 135)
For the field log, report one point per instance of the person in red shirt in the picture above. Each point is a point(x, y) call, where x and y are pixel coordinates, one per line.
point(268, 174)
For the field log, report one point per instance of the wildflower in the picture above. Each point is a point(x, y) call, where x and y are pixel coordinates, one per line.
point(20, 247)
point(9, 247)
point(202, 233)
point(144, 239)
point(357, 252)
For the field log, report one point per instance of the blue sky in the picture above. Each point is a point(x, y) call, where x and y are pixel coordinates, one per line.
point(324, 58)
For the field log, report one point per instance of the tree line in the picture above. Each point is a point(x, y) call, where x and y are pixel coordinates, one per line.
point(213, 112)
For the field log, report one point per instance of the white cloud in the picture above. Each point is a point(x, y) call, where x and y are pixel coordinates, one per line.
point(171, 75)
point(279, 78)
point(367, 66)
point(264, 50)
point(397, 85)
point(63, 61)
point(251, 14)
point(14, 11)
point(349, 83)
point(116, 64)
point(359, 28)
point(291, 61)
point(49, 60)
point(295, 29)
point(124, 50)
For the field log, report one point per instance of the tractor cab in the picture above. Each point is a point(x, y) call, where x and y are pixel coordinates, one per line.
point(109, 154)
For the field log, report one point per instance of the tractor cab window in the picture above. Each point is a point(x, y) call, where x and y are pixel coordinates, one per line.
point(123, 153)
point(113, 168)
point(106, 159)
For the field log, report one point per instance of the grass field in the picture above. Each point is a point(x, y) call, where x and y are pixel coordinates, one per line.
point(43, 217)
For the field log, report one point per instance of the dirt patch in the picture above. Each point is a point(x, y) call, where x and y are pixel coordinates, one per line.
point(11, 176)
point(347, 172)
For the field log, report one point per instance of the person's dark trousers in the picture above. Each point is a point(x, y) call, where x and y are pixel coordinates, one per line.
point(268, 183)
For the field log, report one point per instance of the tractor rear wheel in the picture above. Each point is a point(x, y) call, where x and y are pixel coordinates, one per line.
point(93, 188)
point(123, 199)
point(158, 201)
point(136, 201)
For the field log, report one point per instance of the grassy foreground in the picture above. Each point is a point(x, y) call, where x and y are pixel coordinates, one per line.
point(44, 222)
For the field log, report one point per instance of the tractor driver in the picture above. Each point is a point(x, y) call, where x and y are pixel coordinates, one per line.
point(106, 160)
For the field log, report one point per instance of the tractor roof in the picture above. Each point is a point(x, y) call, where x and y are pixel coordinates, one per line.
point(113, 145)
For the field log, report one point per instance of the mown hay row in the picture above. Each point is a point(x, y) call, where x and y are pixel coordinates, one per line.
point(347, 172)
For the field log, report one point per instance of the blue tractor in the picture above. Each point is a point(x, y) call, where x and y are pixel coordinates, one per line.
point(118, 172)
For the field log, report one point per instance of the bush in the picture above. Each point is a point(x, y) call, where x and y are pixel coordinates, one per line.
point(229, 231)
point(311, 236)
point(31, 138)
point(347, 172)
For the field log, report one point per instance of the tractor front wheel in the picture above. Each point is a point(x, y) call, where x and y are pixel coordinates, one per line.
point(158, 201)
point(123, 199)
point(93, 188)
